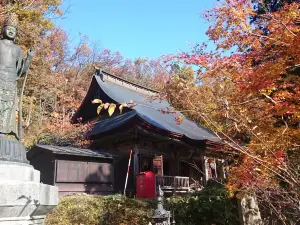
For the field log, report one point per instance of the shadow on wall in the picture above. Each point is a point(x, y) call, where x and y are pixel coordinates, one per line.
point(99, 180)
point(29, 200)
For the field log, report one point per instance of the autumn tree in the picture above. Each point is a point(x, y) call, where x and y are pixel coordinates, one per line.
point(250, 98)
point(269, 6)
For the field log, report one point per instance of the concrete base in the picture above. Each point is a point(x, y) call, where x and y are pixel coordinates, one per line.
point(39, 220)
point(23, 199)
point(18, 172)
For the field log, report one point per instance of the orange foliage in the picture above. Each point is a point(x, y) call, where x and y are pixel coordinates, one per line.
point(251, 96)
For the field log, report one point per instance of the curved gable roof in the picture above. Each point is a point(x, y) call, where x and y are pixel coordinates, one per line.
point(147, 110)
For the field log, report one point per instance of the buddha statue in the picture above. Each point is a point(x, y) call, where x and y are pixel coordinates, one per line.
point(12, 67)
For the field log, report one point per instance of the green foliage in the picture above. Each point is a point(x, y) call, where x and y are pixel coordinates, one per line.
point(92, 210)
point(211, 206)
point(186, 73)
point(76, 210)
point(267, 6)
point(120, 210)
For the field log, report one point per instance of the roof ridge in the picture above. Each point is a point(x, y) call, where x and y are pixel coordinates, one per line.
point(99, 71)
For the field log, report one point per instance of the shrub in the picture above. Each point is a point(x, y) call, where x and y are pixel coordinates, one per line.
point(97, 210)
point(126, 211)
point(210, 206)
point(77, 209)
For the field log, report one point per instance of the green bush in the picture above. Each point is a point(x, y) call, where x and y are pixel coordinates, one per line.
point(210, 206)
point(97, 210)
point(77, 209)
point(126, 211)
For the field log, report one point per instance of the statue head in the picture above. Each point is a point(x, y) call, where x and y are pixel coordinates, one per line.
point(10, 25)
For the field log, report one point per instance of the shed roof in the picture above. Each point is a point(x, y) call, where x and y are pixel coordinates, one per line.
point(107, 86)
point(75, 151)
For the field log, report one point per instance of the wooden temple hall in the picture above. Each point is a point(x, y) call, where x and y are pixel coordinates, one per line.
point(177, 154)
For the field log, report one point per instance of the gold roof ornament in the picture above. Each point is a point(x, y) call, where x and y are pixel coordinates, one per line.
point(11, 20)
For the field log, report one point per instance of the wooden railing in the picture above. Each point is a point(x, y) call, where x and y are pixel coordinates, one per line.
point(173, 183)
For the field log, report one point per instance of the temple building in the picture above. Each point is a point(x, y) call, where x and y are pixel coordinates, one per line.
point(179, 154)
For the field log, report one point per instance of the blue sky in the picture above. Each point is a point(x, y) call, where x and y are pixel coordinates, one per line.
point(138, 28)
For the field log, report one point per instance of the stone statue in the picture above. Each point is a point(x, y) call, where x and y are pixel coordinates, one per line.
point(249, 211)
point(12, 67)
point(23, 199)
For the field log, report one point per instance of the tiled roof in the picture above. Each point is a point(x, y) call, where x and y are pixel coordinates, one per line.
point(76, 151)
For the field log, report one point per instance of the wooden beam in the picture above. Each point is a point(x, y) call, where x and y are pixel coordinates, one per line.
point(136, 160)
point(136, 164)
point(170, 140)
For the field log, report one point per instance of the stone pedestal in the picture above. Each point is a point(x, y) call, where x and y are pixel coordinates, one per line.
point(23, 199)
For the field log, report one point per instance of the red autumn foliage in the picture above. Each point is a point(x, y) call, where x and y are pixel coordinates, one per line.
point(250, 97)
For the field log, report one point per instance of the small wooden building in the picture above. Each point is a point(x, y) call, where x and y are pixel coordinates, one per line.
point(74, 170)
point(177, 154)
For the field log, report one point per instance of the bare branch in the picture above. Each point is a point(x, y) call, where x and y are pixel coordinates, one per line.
point(279, 21)
point(245, 102)
point(266, 37)
point(268, 97)
point(286, 126)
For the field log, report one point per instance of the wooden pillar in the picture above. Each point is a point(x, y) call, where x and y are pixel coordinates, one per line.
point(174, 165)
point(204, 169)
point(136, 160)
point(220, 169)
point(116, 174)
point(136, 164)
point(209, 168)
